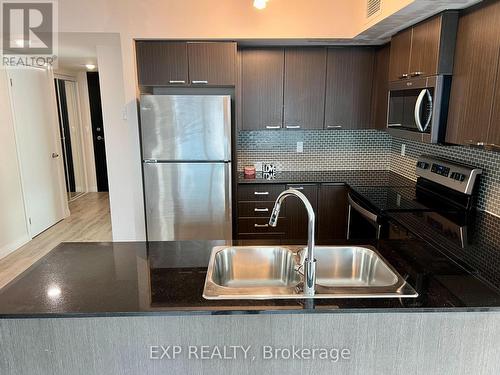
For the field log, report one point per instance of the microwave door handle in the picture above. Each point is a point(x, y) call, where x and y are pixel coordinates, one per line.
point(429, 117)
point(418, 105)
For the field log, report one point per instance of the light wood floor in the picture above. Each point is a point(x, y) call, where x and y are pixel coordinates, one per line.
point(90, 220)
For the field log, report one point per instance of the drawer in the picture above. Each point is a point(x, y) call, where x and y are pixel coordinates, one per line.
point(261, 225)
point(257, 209)
point(259, 192)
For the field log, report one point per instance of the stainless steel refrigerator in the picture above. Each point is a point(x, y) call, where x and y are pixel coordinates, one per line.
point(186, 154)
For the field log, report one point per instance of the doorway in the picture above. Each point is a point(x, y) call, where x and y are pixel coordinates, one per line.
point(101, 169)
point(71, 136)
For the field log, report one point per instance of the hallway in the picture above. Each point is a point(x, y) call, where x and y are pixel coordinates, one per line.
point(90, 220)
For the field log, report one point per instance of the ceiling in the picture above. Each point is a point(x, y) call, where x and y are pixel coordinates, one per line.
point(75, 50)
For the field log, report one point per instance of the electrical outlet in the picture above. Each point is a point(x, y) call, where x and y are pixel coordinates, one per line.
point(300, 146)
point(403, 149)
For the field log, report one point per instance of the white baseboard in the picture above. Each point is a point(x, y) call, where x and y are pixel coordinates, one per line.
point(10, 247)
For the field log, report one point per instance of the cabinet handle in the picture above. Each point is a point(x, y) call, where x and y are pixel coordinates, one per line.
point(174, 81)
point(334, 127)
point(261, 225)
point(261, 193)
point(416, 74)
point(403, 76)
point(297, 187)
point(261, 209)
point(293, 126)
point(200, 82)
point(273, 127)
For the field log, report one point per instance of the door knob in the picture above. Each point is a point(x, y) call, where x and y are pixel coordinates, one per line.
point(55, 155)
point(99, 138)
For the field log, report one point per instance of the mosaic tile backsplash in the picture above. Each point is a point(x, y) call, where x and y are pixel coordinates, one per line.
point(323, 150)
point(363, 150)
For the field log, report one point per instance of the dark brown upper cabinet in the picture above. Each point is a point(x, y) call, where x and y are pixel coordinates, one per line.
point(400, 55)
point(262, 72)
point(161, 63)
point(212, 63)
point(425, 49)
point(304, 96)
point(349, 88)
point(380, 89)
point(473, 115)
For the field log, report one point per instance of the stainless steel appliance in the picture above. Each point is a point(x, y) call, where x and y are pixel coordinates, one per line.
point(186, 153)
point(418, 108)
point(442, 187)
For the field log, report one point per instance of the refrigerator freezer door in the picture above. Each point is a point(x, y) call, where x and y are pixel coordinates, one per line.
point(186, 127)
point(188, 201)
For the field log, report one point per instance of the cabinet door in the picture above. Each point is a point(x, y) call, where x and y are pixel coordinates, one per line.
point(304, 97)
point(212, 63)
point(349, 88)
point(425, 47)
point(161, 63)
point(297, 213)
point(494, 128)
point(262, 73)
point(380, 89)
point(474, 73)
point(400, 55)
point(332, 213)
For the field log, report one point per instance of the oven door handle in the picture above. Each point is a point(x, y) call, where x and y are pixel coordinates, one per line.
point(418, 106)
point(362, 211)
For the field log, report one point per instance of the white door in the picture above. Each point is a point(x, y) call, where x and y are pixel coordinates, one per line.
point(33, 104)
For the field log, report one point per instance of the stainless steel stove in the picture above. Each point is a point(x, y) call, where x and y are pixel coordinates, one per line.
point(444, 192)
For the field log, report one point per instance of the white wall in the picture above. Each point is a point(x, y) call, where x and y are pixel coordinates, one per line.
point(13, 230)
point(122, 149)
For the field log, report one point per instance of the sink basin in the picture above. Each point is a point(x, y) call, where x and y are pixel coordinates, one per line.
point(352, 267)
point(255, 267)
point(271, 272)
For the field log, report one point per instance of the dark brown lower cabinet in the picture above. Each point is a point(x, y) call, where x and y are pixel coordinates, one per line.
point(332, 213)
point(297, 214)
point(329, 202)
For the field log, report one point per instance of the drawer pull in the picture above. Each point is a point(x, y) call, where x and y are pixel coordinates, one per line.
point(176, 81)
point(261, 225)
point(334, 127)
point(200, 82)
point(297, 187)
point(273, 127)
point(261, 209)
point(293, 126)
point(261, 193)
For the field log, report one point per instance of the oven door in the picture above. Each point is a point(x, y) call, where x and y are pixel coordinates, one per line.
point(362, 223)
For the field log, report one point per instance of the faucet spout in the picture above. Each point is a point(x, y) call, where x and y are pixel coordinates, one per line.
point(310, 262)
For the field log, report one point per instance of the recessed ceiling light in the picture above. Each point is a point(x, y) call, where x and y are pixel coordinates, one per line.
point(90, 66)
point(260, 4)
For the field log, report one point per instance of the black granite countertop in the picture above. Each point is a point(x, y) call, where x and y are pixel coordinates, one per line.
point(349, 177)
point(136, 278)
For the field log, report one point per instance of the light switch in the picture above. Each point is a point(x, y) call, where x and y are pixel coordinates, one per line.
point(300, 146)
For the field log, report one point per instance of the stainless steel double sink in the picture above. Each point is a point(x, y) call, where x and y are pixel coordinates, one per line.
point(269, 272)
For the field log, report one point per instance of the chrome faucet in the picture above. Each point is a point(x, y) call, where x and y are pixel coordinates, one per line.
point(310, 262)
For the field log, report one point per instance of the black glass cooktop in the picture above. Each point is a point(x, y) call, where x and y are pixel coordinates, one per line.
point(389, 199)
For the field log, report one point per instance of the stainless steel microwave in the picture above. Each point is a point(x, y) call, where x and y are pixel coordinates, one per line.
point(418, 108)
